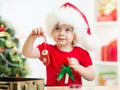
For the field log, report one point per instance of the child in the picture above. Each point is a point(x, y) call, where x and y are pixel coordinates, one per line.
point(65, 62)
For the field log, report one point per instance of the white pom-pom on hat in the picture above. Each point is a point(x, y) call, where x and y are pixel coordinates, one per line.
point(71, 15)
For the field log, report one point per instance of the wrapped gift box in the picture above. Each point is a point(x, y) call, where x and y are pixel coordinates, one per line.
point(109, 52)
point(8, 83)
point(108, 78)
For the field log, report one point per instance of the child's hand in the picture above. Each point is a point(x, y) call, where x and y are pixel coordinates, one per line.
point(38, 32)
point(73, 63)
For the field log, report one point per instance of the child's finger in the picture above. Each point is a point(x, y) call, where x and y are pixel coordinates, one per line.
point(69, 60)
point(38, 32)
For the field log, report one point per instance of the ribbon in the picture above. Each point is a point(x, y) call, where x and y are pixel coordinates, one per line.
point(5, 34)
point(65, 70)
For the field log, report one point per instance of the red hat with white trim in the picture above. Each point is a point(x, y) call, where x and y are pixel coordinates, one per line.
point(71, 15)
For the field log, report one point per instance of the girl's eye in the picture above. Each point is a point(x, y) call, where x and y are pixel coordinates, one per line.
point(68, 30)
point(57, 28)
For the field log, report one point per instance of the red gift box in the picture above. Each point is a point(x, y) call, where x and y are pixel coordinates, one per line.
point(109, 52)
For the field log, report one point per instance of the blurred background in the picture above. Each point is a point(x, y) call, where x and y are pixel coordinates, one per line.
point(103, 17)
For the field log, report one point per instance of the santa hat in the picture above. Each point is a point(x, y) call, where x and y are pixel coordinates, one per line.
point(71, 15)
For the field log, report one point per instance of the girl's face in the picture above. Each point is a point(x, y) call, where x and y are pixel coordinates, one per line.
point(63, 35)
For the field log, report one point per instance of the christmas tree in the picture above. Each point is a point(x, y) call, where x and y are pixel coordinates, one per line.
point(12, 63)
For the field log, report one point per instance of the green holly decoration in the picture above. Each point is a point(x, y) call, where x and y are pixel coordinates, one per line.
point(63, 70)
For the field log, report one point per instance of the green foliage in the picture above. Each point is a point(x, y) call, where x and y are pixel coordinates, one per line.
point(12, 63)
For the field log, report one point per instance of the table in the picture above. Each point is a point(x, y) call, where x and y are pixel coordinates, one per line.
point(84, 88)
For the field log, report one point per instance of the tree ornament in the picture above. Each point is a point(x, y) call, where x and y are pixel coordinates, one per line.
point(2, 49)
point(2, 28)
point(45, 57)
point(45, 54)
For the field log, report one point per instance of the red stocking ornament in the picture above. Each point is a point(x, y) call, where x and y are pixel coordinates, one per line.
point(45, 55)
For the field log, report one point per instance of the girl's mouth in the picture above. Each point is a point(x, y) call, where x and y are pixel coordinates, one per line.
point(61, 39)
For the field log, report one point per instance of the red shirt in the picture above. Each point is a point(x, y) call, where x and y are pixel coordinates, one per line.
point(58, 57)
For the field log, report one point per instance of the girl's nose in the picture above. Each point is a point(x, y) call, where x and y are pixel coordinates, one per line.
point(62, 31)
